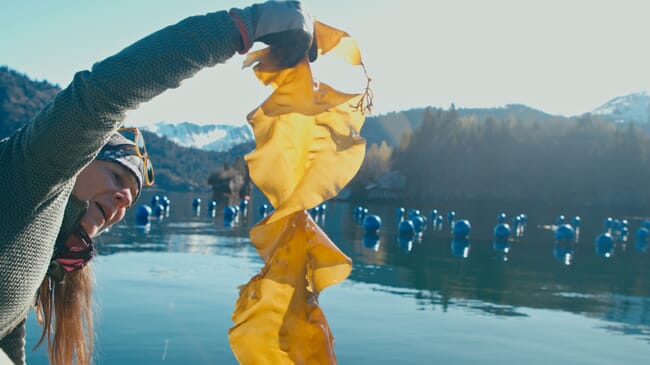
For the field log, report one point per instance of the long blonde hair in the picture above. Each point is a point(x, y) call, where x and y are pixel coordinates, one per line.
point(67, 305)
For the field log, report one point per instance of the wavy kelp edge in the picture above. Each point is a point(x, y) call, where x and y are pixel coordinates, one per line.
point(315, 130)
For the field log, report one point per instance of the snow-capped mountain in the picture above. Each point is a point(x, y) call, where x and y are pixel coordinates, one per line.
point(629, 108)
point(215, 137)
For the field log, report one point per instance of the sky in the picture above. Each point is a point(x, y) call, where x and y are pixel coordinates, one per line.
point(564, 57)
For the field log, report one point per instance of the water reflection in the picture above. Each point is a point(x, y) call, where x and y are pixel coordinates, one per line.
point(405, 243)
point(460, 247)
point(563, 253)
point(437, 270)
point(502, 248)
point(371, 240)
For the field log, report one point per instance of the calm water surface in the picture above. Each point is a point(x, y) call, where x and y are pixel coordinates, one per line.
point(166, 296)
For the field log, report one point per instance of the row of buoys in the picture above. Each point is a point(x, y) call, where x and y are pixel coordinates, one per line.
point(518, 224)
point(232, 212)
point(318, 212)
point(564, 235)
point(411, 226)
point(615, 230)
point(159, 209)
point(161, 205)
point(411, 223)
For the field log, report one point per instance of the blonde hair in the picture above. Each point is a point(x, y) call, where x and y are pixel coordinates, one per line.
point(65, 311)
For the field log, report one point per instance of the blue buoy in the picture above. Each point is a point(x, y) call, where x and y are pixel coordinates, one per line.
point(263, 210)
point(559, 220)
point(438, 223)
point(406, 228)
point(645, 223)
point(502, 232)
point(433, 214)
point(143, 214)
point(450, 216)
point(413, 213)
point(461, 228)
point(608, 223)
point(212, 208)
point(243, 207)
point(168, 205)
point(196, 205)
point(371, 223)
point(229, 212)
point(564, 233)
point(358, 213)
point(501, 218)
point(419, 223)
point(604, 245)
point(159, 211)
point(155, 200)
point(401, 214)
point(576, 221)
point(523, 218)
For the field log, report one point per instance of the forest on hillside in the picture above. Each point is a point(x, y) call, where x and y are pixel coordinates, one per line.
point(20, 99)
point(513, 154)
point(584, 161)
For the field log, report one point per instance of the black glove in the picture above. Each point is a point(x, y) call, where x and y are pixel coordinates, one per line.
point(284, 25)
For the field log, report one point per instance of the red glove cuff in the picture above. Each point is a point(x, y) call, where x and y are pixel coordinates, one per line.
point(246, 43)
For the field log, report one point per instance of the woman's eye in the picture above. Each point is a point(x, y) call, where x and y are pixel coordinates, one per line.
point(117, 177)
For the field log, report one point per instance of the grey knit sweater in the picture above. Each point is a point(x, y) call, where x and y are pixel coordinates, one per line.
point(39, 163)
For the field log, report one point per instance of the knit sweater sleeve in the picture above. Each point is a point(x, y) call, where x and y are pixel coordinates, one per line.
point(13, 345)
point(40, 162)
point(69, 132)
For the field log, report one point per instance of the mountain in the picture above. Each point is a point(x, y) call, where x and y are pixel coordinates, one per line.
point(629, 108)
point(181, 168)
point(178, 168)
point(215, 137)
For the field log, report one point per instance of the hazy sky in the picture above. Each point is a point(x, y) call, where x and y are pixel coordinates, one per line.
point(563, 57)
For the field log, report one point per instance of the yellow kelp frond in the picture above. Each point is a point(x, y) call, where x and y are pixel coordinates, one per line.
point(308, 148)
point(277, 318)
point(337, 41)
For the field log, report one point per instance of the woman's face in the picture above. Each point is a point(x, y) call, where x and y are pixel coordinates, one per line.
point(109, 188)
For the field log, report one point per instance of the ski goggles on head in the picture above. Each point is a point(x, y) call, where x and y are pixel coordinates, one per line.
point(140, 148)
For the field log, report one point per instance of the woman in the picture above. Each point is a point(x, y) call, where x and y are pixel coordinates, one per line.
point(48, 181)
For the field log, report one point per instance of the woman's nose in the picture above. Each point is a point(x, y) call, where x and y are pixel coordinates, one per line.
point(123, 197)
